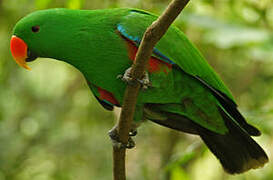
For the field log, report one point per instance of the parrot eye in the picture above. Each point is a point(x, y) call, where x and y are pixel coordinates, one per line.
point(35, 29)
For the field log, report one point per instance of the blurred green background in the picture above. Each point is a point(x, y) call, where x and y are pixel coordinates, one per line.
point(52, 128)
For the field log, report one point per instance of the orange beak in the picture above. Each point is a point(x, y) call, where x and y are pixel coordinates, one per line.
point(19, 51)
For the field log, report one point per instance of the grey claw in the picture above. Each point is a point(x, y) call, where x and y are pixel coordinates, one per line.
point(119, 76)
point(116, 142)
point(145, 82)
point(113, 134)
point(133, 133)
point(131, 143)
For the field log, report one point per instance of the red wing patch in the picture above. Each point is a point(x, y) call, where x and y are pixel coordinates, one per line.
point(107, 96)
point(155, 64)
point(103, 96)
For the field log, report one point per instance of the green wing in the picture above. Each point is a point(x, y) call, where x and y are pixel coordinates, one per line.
point(175, 48)
point(174, 45)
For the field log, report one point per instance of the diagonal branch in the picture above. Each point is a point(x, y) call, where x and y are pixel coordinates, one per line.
point(152, 35)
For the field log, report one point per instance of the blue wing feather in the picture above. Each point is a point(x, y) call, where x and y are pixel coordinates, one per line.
point(137, 41)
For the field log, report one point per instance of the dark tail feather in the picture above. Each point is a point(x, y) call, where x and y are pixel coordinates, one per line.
point(231, 108)
point(236, 150)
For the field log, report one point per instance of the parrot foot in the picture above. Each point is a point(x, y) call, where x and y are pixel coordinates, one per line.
point(145, 82)
point(113, 134)
point(133, 132)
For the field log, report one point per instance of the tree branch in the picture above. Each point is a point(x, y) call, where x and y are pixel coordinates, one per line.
point(150, 38)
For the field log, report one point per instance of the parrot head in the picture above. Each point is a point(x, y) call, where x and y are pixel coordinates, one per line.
point(52, 33)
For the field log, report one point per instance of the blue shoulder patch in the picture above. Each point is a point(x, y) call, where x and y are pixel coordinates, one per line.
point(132, 38)
point(137, 41)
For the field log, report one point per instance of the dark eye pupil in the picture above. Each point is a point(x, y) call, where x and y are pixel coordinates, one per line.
point(35, 28)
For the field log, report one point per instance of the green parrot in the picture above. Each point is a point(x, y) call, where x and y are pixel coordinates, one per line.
point(184, 92)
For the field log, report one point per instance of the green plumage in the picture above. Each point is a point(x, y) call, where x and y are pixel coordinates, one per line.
point(188, 96)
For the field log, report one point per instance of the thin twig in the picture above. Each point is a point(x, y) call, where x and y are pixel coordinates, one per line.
point(150, 38)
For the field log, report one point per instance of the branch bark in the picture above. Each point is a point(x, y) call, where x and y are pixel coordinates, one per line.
point(152, 35)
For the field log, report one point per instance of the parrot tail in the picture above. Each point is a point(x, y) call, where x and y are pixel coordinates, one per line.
point(230, 106)
point(236, 150)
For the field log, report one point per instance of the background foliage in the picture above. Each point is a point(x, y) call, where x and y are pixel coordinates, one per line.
point(51, 126)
